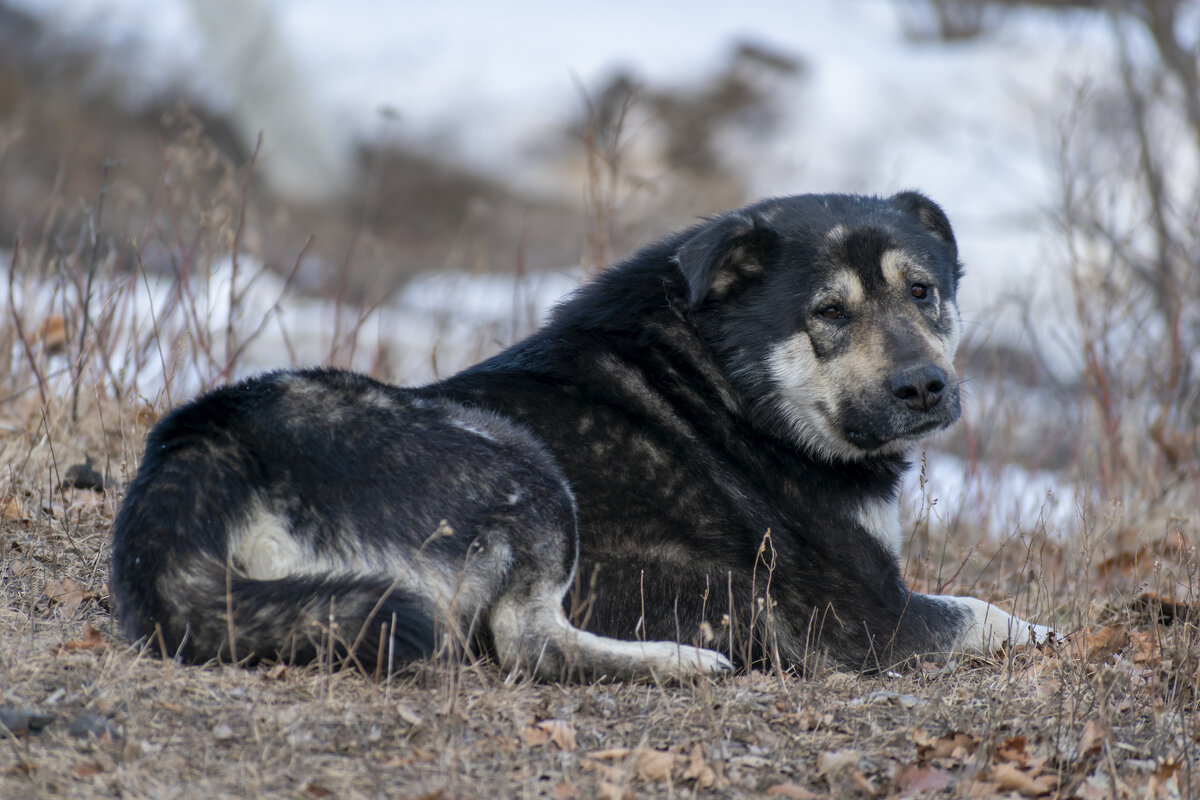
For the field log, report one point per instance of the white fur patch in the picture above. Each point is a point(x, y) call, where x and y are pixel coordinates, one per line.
point(802, 389)
point(990, 628)
point(265, 549)
point(881, 518)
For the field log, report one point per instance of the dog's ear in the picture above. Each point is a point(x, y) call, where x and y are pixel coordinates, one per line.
point(721, 255)
point(929, 214)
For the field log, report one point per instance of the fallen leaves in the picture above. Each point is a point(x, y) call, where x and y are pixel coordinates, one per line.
point(1092, 738)
point(12, 510)
point(91, 639)
point(1009, 777)
point(616, 766)
point(833, 762)
point(914, 779)
point(1106, 642)
point(791, 791)
point(955, 746)
point(66, 594)
point(557, 732)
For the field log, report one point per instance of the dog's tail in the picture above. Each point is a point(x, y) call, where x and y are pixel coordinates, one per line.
point(207, 611)
point(176, 588)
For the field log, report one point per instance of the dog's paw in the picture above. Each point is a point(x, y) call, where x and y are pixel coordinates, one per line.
point(1041, 634)
point(988, 628)
point(708, 662)
point(678, 661)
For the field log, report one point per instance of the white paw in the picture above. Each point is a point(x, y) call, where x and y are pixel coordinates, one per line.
point(709, 662)
point(1042, 634)
point(680, 660)
point(990, 628)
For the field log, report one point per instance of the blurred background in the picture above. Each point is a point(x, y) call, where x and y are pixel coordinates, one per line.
point(191, 190)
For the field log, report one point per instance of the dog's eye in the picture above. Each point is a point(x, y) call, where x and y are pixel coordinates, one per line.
point(920, 291)
point(830, 312)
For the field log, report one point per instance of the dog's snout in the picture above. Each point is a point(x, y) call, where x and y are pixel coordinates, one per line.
point(920, 387)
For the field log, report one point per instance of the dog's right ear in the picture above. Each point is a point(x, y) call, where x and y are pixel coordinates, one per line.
point(719, 256)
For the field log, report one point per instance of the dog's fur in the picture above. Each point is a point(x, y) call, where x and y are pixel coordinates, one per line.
point(724, 418)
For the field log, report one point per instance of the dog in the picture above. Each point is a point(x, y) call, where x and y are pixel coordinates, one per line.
point(701, 450)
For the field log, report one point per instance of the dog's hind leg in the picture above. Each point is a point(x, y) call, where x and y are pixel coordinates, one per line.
point(531, 632)
point(533, 542)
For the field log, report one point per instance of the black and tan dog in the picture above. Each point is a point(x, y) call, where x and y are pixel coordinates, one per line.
point(707, 440)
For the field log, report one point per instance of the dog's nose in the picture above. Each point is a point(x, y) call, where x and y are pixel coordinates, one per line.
point(920, 386)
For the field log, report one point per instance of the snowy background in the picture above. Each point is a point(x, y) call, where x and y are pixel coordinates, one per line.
point(975, 124)
point(874, 106)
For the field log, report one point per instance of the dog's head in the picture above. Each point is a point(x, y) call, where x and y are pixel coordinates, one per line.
point(835, 315)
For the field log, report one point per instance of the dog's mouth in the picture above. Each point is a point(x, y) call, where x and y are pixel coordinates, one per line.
point(871, 440)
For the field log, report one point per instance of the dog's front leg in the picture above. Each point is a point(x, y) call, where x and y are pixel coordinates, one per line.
point(986, 628)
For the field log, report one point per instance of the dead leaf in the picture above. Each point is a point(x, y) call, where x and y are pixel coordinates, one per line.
point(648, 765)
point(1010, 777)
point(277, 672)
point(954, 745)
point(863, 784)
point(1092, 738)
point(315, 790)
point(87, 769)
point(91, 639)
point(563, 791)
point(698, 769)
point(1013, 751)
point(551, 731)
point(11, 509)
point(66, 594)
point(610, 791)
point(913, 778)
point(792, 791)
point(834, 761)
point(1106, 642)
point(655, 765)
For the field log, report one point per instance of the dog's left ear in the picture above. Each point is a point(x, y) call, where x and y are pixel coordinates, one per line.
point(720, 256)
point(929, 214)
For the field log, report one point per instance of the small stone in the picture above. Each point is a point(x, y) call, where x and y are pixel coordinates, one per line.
point(20, 721)
point(88, 725)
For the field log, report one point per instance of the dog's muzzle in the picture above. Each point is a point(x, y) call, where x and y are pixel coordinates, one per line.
point(916, 400)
